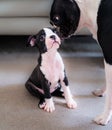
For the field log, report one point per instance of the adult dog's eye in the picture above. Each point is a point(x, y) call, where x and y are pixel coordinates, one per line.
point(56, 20)
point(42, 38)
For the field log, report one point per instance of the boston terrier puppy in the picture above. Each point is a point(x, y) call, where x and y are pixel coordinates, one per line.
point(69, 16)
point(49, 75)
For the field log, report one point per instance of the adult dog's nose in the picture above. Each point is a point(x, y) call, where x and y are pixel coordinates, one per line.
point(53, 37)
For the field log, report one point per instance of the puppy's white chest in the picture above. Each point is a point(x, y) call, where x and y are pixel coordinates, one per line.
point(51, 67)
point(51, 72)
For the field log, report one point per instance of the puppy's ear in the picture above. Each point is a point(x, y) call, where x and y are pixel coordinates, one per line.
point(31, 41)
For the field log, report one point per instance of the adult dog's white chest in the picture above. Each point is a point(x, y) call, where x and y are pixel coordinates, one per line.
point(89, 10)
point(52, 66)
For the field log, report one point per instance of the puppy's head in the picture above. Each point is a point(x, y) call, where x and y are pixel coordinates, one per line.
point(46, 40)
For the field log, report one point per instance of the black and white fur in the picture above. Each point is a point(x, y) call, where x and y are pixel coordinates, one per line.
point(69, 16)
point(49, 75)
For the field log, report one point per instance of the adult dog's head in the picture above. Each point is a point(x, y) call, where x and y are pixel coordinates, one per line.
point(65, 15)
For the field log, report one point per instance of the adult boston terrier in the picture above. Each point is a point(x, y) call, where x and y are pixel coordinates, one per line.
point(69, 16)
point(49, 75)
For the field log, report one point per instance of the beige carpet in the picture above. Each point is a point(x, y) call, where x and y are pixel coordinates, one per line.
point(19, 110)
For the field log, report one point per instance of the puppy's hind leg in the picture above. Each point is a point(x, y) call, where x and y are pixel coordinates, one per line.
point(58, 92)
point(41, 104)
point(32, 89)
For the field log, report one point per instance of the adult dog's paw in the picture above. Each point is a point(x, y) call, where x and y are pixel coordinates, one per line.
point(99, 92)
point(103, 119)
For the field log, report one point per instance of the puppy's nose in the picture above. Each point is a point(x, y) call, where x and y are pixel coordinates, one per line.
point(53, 37)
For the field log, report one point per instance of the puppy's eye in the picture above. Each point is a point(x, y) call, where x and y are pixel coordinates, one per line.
point(55, 31)
point(42, 38)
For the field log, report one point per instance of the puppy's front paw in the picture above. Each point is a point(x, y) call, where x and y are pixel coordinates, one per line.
point(71, 104)
point(103, 119)
point(49, 105)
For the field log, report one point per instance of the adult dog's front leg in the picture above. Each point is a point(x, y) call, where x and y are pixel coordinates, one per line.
point(104, 118)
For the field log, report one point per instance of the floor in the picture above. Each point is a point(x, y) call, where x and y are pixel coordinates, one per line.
point(19, 110)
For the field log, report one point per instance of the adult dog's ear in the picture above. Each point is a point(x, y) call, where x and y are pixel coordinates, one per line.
point(31, 41)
